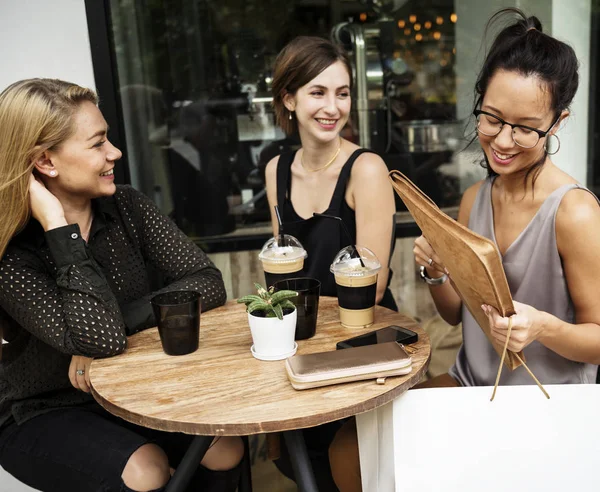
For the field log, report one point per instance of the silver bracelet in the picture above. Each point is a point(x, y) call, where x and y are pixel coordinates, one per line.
point(432, 281)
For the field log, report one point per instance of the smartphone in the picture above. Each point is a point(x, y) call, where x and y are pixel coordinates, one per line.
point(390, 333)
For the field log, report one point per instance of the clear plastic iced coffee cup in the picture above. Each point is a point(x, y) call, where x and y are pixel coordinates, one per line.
point(282, 257)
point(355, 270)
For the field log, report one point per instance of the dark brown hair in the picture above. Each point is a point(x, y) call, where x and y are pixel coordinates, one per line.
point(296, 65)
point(523, 48)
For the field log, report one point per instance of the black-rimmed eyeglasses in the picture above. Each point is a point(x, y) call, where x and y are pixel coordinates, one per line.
point(524, 136)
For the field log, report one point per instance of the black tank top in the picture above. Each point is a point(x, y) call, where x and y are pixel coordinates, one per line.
point(322, 237)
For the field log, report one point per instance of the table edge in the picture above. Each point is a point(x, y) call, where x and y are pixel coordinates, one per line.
point(241, 429)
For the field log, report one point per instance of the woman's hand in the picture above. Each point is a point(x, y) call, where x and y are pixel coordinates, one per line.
point(426, 256)
point(527, 325)
point(79, 372)
point(45, 207)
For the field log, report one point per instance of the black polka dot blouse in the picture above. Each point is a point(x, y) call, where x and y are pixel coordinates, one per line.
point(61, 297)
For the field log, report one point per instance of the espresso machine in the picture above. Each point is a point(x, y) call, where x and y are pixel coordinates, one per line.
point(412, 137)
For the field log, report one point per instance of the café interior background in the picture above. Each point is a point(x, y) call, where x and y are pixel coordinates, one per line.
point(195, 84)
point(194, 81)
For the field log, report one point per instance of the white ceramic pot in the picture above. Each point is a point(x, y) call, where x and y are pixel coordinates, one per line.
point(273, 338)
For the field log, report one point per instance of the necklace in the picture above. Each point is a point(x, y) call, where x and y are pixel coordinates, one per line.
point(326, 165)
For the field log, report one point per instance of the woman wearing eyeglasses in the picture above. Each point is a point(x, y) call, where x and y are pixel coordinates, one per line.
point(546, 226)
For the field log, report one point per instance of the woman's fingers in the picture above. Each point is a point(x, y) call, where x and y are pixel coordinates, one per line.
point(435, 262)
point(516, 341)
point(499, 329)
point(423, 246)
point(426, 256)
point(45, 207)
point(73, 375)
point(79, 373)
point(81, 380)
point(87, 379)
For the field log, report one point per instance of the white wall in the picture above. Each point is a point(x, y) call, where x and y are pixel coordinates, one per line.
point(571, 23)
point(471, 46)
point(44, 38)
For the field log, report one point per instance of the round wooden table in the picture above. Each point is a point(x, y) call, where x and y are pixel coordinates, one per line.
point(222, 390)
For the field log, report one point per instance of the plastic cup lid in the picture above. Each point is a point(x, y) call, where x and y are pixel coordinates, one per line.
point(292, 250)
point(345, 265)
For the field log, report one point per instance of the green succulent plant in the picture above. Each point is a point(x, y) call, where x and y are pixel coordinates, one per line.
point(271, 302)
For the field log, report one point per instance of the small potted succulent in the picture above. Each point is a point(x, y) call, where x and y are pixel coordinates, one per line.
point(272, 319)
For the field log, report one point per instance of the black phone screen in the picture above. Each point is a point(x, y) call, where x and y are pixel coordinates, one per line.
point(391, 333)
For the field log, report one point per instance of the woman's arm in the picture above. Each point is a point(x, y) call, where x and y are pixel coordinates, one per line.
point(72, 308)
point(68, 305)
point(578, 241)
point(373, 199)
point(271, 184)
point(447, 301)
point(183, 265)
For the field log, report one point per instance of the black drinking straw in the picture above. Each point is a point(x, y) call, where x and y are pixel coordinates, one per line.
point(281, 238)
point(355, 253)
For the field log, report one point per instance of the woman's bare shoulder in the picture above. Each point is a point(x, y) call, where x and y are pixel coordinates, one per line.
point(471, 192)
point(578, 209)
point(467, 201)
point(271, 167)
point(369, 165)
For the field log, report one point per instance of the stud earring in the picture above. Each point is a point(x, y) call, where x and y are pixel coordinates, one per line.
point(53, 173)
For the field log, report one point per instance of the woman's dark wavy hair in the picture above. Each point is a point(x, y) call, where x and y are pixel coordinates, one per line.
point(524, 48)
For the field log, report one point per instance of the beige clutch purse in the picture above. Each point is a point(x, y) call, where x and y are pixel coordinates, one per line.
point(344, 366)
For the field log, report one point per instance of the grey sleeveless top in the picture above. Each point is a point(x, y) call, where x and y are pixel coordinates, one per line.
point(535, 276)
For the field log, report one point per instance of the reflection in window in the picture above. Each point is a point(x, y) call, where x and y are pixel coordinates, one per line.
point(195, 77)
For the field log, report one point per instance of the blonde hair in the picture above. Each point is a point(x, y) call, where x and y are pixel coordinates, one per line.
point(36, 115)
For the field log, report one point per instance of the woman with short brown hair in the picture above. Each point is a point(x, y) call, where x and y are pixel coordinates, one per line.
point(329, 174)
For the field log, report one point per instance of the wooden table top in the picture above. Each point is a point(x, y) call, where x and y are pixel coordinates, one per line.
point(222, 390)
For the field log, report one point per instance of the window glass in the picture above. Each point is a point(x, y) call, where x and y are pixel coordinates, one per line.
point(195, 80)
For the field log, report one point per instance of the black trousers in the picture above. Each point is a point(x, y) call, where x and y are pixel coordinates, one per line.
point(85, 449)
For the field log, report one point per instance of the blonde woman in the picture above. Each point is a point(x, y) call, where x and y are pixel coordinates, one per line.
point(73, 285)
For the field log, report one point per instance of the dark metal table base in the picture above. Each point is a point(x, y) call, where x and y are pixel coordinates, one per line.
point(298, 455)
point(305, 478)
point(245, 484)
point(192, 458)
